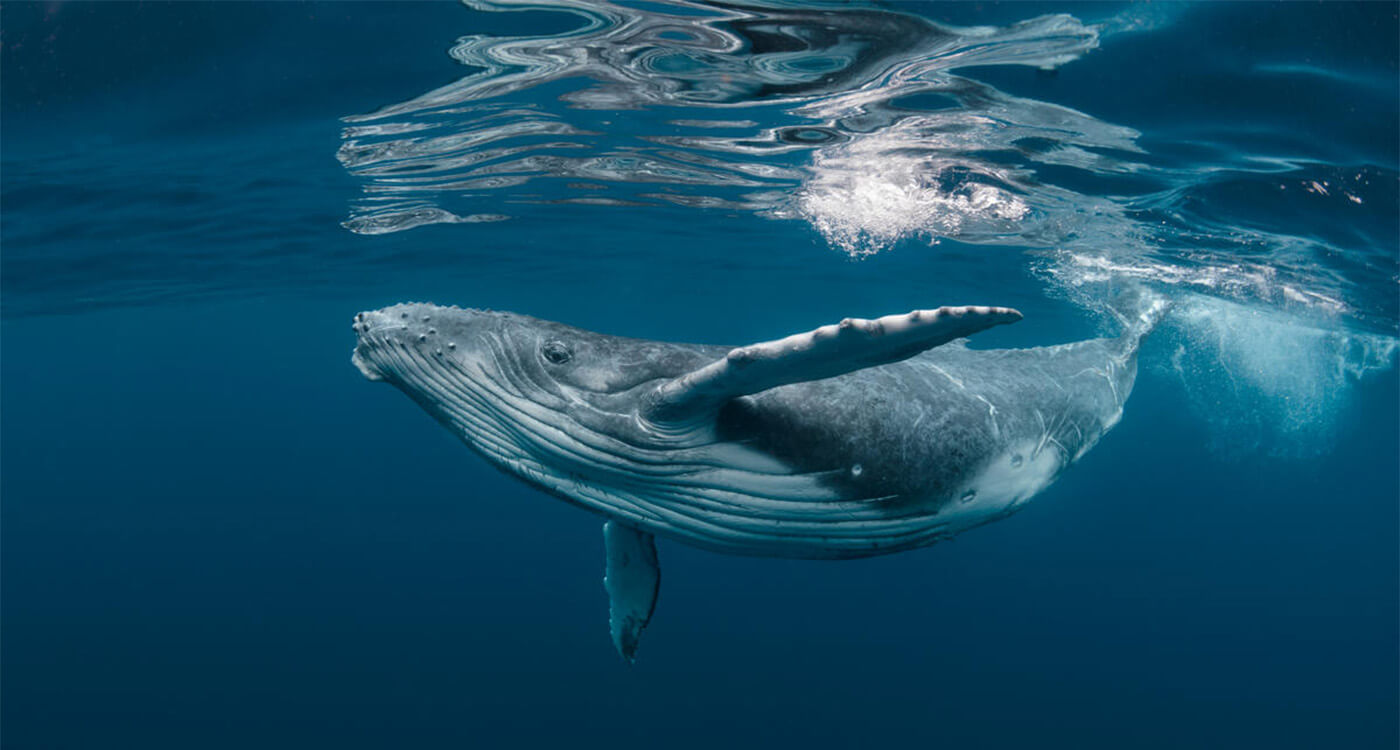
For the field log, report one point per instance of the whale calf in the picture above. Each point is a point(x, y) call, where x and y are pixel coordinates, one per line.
point(859, 438)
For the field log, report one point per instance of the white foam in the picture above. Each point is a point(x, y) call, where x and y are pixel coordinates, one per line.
point(1240, 280)
point(870, 193)
point(396, 217)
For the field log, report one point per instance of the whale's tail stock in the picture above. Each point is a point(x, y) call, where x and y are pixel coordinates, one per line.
point(1138, 310)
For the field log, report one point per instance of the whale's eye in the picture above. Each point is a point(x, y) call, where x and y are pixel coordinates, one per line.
point(556, 352)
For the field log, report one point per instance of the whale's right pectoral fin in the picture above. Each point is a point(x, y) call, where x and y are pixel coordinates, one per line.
point(853, 344)
point(633, 579)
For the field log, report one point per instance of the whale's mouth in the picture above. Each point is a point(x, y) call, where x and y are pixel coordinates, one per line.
point(365, 366)
point(365, 325)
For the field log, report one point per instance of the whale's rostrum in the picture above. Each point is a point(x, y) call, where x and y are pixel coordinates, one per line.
point(859, 438)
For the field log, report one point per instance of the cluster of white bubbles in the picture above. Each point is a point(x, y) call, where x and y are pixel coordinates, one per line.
point(1268, 382)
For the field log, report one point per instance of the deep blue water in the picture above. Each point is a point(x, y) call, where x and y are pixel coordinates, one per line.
point(216, 533)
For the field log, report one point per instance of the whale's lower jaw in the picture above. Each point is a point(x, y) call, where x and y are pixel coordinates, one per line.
point(719, 497)
point(736, 534)
point(744, 507)
point(744, 504)
point(766, 537)
point(732, 521)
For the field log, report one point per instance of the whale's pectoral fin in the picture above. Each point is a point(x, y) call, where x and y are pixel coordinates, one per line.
point(853, 344)
point(632, 580)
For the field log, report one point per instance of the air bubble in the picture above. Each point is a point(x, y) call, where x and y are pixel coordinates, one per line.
point(968, 496)
point(856, 471)
point(1016, 461)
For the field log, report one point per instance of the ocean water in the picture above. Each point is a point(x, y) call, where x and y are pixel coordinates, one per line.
point(216, 533)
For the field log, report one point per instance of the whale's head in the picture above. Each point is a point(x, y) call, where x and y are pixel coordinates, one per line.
point(550, 402)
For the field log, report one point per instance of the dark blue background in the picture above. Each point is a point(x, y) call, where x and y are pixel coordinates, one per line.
point(217, 534)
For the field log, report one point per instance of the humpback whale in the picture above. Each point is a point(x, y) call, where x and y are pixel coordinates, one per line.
point(859, 438)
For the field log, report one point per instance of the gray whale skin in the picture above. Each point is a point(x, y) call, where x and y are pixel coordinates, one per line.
point(859, 438)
